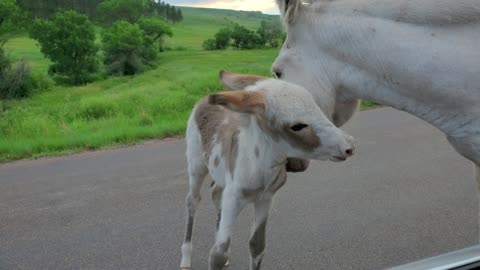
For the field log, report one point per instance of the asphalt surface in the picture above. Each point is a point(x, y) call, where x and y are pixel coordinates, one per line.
point(406, 195)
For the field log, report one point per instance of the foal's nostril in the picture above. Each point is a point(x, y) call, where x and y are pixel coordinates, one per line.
point(350, 152)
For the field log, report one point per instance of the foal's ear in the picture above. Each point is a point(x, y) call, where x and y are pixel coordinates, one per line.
point(233, 81)
point(239, 101)
point(289, 10)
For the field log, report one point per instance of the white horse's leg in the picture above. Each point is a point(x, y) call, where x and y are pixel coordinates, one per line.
point(197, 172)
point(232, 204)
point(477, 177)
point(257, 240)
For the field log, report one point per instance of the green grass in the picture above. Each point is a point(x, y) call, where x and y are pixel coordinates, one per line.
point(126, 110)
point(120, 110)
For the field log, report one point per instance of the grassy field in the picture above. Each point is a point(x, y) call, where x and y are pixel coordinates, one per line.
point(126, 110)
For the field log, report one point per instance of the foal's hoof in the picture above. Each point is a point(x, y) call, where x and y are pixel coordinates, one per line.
point(227, 264)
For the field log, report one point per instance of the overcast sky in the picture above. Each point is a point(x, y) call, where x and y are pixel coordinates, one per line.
point(265, 6)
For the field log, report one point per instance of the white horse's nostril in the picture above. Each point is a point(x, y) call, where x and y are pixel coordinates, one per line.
point(350, 152)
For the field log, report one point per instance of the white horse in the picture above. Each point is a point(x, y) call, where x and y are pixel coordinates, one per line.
point(418, 56)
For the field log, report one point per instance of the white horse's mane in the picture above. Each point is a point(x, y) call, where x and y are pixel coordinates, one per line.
point(432, 12)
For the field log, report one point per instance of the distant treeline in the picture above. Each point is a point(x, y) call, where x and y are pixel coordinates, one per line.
point(237, 36)
point(47, 8)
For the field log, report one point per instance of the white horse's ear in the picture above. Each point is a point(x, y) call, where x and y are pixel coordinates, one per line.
point(289, 10)
point(233, 81)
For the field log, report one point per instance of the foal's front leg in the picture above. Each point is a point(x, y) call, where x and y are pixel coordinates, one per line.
point(258, 240)
point(232, 204)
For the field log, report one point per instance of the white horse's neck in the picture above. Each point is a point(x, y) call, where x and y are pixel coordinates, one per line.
point(422, 70)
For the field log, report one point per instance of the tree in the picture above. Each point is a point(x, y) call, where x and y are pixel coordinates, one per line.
point(68, 40)
point(179, 15)
point(47, 8)
point(222, 38)
point(128, 10)
point(155, 29)
point(270, 32)
point(10, 19)
point(244, 38)
point(127, 50)
point(168, 12)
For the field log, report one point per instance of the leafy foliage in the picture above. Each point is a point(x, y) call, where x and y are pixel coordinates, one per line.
point(68, 40)
point(127, 49)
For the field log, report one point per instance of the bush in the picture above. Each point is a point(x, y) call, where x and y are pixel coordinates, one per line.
point(68, 40)
point(220, 42)
point(209, 44)
point(222, 38)
point(245, 39)
point(127, 50)
point(15, 80)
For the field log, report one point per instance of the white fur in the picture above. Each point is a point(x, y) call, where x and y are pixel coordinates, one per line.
point(254, 177)
point(419, 56)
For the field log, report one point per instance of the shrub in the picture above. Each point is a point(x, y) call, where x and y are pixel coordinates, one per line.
point(220, 42)
point(15, 80)
point(127, 50)
point(222, 38)
point(68, 40)
point(209, 44)
point(245, 39)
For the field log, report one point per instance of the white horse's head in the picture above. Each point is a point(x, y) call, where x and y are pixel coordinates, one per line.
point(299, 59)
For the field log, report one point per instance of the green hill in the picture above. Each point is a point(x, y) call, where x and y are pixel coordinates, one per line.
point(200, 24)
point(125, 110)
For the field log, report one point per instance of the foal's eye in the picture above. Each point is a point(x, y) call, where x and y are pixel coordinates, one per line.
point(298, 127)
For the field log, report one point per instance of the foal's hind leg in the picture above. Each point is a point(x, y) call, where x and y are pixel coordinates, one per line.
point(217, 202)
point(257, 240)
point(197, 172)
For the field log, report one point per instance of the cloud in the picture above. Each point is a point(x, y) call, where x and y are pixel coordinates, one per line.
point(266, 6)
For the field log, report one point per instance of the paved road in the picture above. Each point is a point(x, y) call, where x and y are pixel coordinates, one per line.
point(406, 195)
